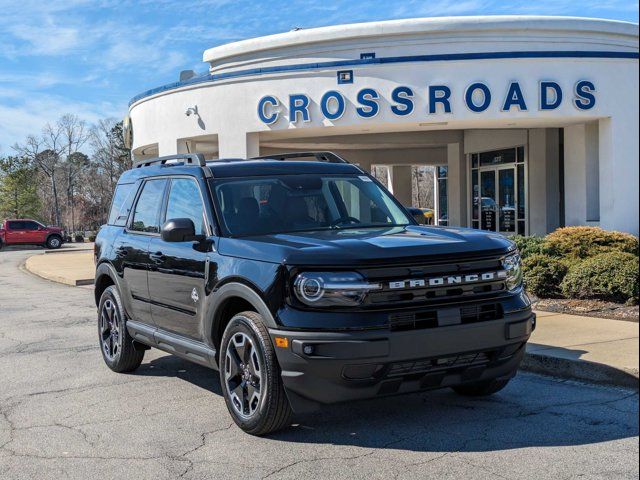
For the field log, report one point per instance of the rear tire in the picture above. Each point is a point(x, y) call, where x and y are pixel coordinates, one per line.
point(481, 389)
point(54, 242)
point(116, 344)
point(250, 376)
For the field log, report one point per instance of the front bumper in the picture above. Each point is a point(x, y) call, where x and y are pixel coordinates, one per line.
point(330, 367)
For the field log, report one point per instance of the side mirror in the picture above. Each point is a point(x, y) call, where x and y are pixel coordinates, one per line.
point(180, 230)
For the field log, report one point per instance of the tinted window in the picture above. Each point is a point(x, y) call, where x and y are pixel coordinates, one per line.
point(30, 226)
point(16, 225)
point(121, 204)
point(294, 203)
point(185, 202)
point(145, 216)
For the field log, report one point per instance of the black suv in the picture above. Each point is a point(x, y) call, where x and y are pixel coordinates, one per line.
point(302, 282)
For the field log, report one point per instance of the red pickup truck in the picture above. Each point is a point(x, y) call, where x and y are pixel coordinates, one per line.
point(23, 231)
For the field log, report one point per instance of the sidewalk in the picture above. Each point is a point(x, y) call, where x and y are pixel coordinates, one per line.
point(70, 267)
point(585, 348)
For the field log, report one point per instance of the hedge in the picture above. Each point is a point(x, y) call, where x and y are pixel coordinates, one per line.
point(543, 275)
point(611, 276)
point(528, 246)
point(585, 242)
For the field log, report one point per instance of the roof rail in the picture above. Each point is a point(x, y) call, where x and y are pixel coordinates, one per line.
point(186, 158)
point(319, 156)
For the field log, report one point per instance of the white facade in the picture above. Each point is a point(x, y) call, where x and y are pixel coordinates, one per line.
point(414, 87)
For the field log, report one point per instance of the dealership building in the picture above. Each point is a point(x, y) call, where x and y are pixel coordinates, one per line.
point(532, 122)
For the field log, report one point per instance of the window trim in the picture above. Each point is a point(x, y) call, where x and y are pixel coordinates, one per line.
point(165, 203)
point(128, 227)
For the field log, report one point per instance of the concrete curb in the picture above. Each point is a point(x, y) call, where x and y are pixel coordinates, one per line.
point(65, 280)
point(74, 250)
point(581, 370)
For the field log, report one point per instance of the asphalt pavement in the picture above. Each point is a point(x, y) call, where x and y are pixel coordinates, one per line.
point(63, 414)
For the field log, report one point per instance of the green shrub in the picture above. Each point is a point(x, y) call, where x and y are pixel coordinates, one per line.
point(92, 238)
point(543, 275)
point(528, 246)
point(78, 238)
point(611, 276)
point(585, 242)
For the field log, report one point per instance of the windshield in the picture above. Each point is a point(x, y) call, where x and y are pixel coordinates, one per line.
point(297, 203)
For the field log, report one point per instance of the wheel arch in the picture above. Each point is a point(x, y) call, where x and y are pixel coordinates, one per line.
point(54, 234)
point(229, 300)
point(105, 277)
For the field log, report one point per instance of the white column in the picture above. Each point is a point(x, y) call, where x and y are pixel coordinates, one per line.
point(401, 182)
point(167, 147)
point(238, 145)
point(544, 182)
point(581, 187)
point(618, 146)
point(456, 185)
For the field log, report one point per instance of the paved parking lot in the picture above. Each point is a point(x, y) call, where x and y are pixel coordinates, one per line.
point(63, 414)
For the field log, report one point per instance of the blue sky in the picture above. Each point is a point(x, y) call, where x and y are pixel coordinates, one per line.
point(89, 57)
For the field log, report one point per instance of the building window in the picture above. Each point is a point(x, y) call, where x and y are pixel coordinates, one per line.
point(498, 191)
point(442, 195)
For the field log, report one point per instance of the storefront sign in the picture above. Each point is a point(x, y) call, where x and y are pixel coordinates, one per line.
point(477, 98)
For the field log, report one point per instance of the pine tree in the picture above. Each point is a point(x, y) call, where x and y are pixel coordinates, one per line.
point(18, 189)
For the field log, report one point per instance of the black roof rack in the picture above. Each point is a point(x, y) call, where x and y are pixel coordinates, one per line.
point(185, 158)
point(319, 156)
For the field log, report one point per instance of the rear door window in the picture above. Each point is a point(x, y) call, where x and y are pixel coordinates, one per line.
point(147, 211)
point(15, 225)
point(121, 204)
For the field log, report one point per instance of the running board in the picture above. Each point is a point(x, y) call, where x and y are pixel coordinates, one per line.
point(186, 348)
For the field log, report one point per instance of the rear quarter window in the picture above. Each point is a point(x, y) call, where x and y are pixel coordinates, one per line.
point(121, 204)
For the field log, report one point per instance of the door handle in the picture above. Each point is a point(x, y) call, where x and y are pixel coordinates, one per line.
point(158, 257)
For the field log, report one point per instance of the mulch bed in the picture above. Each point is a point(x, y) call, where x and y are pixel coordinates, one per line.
point(587, 308)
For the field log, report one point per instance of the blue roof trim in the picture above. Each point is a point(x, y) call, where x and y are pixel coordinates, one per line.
point(385, 60)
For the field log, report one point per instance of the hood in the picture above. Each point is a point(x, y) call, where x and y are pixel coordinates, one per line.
point(353, 247)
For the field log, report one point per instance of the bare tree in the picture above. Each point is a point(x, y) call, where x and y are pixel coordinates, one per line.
point(73, 135)
point(109, 152)
point(37, 150)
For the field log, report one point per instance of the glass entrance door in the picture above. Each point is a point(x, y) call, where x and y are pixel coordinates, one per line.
point(498, 186)
point(498, 199)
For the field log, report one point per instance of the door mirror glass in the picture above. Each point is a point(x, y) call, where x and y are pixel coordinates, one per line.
point(180, 230)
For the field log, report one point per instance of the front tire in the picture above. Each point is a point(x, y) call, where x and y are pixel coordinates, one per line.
point(115, 342)
point(250, 376)
point(54, 242)
point(481, 389)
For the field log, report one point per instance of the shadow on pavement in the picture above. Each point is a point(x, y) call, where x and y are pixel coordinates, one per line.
point(532, 411)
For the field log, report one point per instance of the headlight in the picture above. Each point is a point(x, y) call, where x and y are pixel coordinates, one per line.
point(329, 289)
point(513, 266)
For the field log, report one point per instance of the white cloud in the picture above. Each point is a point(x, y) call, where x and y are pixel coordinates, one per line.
point(31, 114)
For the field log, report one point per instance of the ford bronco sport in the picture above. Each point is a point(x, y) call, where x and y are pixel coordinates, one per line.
point(303, 282)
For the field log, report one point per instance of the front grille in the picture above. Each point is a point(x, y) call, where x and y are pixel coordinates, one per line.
point(434, 364)
point(408, 294)
point(415, 320)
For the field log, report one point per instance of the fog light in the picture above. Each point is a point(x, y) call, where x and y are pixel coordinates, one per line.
point(308, 349)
